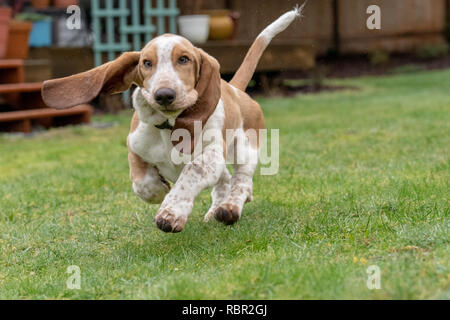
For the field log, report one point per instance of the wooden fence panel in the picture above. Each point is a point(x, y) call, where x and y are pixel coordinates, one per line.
point(315, 28)
point(405, 24)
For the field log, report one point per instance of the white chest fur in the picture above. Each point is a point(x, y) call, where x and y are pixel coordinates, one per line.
point(154, 147)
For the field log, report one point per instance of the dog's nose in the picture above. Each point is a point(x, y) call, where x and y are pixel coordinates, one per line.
point(165, 96)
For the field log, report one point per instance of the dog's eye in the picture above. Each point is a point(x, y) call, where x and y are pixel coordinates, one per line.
point(147, 63)
point(183, 60)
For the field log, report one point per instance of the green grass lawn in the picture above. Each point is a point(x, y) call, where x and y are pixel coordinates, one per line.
point(363, 180)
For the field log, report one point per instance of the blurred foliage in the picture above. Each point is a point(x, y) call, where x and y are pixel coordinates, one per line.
point(378, 57)
point(432, 51)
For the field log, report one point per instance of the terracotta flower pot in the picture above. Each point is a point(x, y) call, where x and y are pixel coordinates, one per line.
point(19, 32)
point(65, 3)
point(40, 4)
point(221, 25)
point(5, 16)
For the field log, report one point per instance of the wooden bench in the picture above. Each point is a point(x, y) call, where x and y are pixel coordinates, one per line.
point(20, 87)
point(12, 71)
point(23, 105)
point(22, 95)
point(22, 121)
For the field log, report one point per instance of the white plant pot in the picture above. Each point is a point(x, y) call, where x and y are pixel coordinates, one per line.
point(195, 28)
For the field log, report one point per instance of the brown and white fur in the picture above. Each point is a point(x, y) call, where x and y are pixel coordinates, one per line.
point(192, 91)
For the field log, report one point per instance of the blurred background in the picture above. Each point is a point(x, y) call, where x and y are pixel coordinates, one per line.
point(44, 39)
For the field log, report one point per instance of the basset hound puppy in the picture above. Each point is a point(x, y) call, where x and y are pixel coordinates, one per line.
point(188, 123)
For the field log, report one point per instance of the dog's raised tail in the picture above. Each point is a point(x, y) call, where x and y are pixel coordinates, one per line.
point(245, 72)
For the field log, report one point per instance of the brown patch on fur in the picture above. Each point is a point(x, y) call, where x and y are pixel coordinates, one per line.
point(241, 109)
point(233, 117)
point(149, 53)
point(138, 168)
point(134, 122)
point(189, 72)
point(208, 88)
point(248, 66)
point(253, 118)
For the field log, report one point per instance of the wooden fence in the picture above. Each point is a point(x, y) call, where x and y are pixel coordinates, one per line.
point(327, 25)
point(341, 24)
point(405, 25)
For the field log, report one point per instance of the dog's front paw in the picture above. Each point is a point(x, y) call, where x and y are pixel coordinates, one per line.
point(227, 214)
point(168, 222)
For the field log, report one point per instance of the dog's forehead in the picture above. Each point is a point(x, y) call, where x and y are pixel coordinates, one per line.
point(164, 44)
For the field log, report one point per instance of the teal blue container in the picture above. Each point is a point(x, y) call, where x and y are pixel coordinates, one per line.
point(41, 33)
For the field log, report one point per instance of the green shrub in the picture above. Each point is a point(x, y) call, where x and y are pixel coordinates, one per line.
point(432, 51)
point(378, 57)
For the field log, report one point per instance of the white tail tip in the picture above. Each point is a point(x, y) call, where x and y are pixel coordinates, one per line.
point(282, 22)
point(299, 9)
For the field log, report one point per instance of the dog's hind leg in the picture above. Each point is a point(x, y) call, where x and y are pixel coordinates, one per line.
point(230, 209)
point(219, 193)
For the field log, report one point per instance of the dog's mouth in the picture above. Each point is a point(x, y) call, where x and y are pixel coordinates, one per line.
point(171, 114)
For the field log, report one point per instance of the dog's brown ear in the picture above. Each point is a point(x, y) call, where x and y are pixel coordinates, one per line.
point(208, 88)
point(112, 77)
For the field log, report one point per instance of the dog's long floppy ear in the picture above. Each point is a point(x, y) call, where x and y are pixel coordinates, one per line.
point(208, 88)
point(112, 77)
